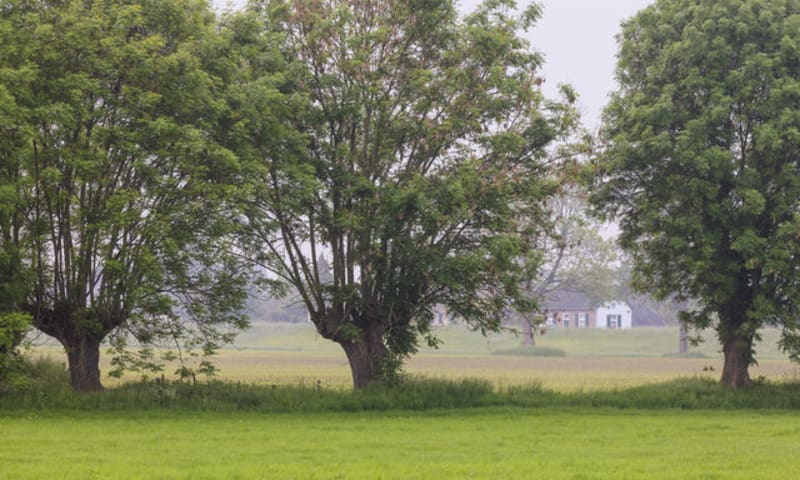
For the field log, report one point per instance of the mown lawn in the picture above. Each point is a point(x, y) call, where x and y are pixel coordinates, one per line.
point(548, 443)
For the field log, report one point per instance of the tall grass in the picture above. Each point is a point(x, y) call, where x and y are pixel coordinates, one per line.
point(411, 394)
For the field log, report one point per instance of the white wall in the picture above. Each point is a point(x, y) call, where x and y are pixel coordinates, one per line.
point(614, 308)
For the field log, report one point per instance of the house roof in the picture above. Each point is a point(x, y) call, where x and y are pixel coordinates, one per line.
point(567, 300)
point(644, 316)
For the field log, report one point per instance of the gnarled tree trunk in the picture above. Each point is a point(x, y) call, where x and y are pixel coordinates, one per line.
point(81, 345)
point(83, 355)
point(367, 355)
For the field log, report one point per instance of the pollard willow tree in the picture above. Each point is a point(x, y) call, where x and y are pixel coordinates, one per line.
point(118, 189)
point(423, 142)
point(702, 167)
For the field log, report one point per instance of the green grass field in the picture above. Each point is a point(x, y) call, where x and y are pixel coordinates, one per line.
point(610, 408)
point(482, 443)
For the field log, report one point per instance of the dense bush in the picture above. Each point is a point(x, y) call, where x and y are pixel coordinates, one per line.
point(42, 375)
point(13, 327)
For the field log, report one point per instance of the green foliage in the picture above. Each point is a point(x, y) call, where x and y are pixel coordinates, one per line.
point(13, 327)
point(422, 140)
point(701, 169)
point(119, 191)
point(41, 374)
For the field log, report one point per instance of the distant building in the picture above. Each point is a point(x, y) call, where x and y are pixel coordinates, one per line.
point(614, 315)
point(569, 309)
point(574, 309)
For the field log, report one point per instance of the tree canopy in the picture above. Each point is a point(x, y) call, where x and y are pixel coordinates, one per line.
point(117, 218)
point(702, 168)
point(422, 140)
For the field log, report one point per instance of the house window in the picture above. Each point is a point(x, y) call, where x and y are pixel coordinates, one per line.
point(566, 320)
point(614, 321)
point(583, 320)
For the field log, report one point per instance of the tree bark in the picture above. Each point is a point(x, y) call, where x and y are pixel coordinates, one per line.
point(738, 357)
point(83, 355)
point(367, 356)
point(683, 339)
point(528, 339)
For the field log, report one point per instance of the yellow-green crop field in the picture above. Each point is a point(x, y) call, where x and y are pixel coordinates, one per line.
point(594, 359)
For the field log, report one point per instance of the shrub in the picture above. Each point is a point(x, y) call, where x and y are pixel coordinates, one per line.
point(13, 327)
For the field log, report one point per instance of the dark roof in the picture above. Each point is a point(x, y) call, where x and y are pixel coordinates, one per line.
point(567, 300)
point(644, 316)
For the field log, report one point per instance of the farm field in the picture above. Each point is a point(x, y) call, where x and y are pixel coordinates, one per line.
point(480, 443)
point(594, 359)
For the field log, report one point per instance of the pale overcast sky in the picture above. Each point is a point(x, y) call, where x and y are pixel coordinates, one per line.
point(577, 39)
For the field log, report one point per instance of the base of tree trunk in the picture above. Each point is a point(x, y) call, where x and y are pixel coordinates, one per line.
point(362, 368)
point(83, 355)
point(367, 356)
point(738, 356)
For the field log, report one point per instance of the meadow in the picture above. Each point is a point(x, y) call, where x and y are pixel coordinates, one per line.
point(613, 406)
point(586, 360)
point(458, 444)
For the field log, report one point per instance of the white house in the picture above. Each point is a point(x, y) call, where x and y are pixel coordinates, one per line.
point(574, 309)
point(614, 315)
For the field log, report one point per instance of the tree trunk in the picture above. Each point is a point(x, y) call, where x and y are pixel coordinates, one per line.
point(528, 339)
point(367, 356)
point(738, 356)
point(683, 339)
point(83, 354)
